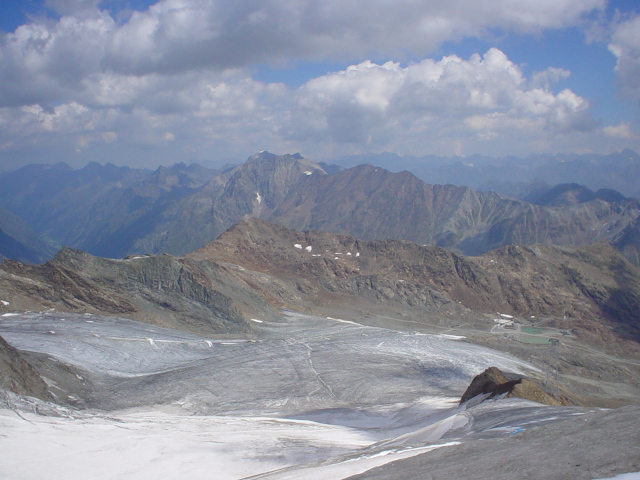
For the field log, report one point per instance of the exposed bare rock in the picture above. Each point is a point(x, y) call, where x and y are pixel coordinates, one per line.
point(113, 212)
point(592, 289)
point(165, 290)
point(18, 376)
point(494, 383)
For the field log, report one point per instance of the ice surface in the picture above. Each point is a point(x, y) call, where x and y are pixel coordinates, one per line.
point(624, 476)
point(153, 444)
point(302, 364)
point(310, 398)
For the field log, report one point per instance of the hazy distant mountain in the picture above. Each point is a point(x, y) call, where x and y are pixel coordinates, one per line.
point(253, 189)
point(571, 194)
point(102, 209)
point(19, 242)
point(628, 242)
point(373, 203)
point(112, 212)
point(617, 171)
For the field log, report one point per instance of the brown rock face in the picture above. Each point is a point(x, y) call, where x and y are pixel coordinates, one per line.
point(486, 382)
point(493, 382)
point(163, 290)
point(18, 376)
point(593, 288)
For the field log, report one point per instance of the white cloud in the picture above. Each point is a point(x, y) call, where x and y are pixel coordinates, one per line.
point(168, 137)
point(44, 63)
point(177, 75)
point(622, 130)
point(47, 61)
point(383, 106)
point(625, 45)
point(549, 76)
point(441, 104)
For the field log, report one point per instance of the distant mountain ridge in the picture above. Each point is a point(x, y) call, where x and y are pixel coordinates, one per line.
point(115, 211)
point(19, 242)
point(566, 194)
point(619, 171)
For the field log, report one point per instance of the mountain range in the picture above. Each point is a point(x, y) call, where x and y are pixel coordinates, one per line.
point(117, 211)
point(329, 332)
point(516, 177)
point(257, 268)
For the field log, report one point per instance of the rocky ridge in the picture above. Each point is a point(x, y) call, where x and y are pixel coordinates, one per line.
point(592, 289)
point(163, 290)
point(110, 211)
point(256, 268)
point(18, 375)
point(493, 383)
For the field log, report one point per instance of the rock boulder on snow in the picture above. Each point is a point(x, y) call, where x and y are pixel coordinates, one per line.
point(493, 383)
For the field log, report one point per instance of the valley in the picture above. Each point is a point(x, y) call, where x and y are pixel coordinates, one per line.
point(275, 321)
point(319, 240)
point(113, 212)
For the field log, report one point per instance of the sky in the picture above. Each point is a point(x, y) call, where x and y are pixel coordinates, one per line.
point(144, 83)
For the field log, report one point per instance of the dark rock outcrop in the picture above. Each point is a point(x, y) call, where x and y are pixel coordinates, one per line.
point(494, 383)
point(18, 376)
point(164, 290)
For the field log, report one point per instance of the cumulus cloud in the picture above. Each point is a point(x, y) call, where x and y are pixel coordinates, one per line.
point(178, 76)
point(152, 110)
point(446, 102)
point(385, 105)
point(625, 45)
point(43, 61)
point(622, 130)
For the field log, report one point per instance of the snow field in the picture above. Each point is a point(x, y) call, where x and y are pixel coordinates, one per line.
point(313, 398)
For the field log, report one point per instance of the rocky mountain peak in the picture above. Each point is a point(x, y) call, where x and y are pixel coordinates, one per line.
point(262, 182)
